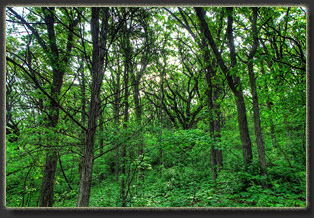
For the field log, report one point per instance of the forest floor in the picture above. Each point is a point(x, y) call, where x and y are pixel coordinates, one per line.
point(177, 189)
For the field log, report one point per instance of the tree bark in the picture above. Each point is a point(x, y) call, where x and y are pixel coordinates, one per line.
point(256, 114)
point(257, 122)
point(47, 187)
point(101, 129)
point(244, 131)
point(99, 52)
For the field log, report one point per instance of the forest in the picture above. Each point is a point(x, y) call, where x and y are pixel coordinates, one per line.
point(156, 107)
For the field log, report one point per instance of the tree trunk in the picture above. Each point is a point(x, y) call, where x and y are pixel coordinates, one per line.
point(47, 188)
point(116, 108)
point(97, 77)
point(138, 113)
point(233, 80)
point(217, 127)
point(101, 129)
point(209, 73)
point(87, 161)
point(213, 163)
point(256, 114)
point(126, 117)
point(272, 126)
point(161, 114)
point(257, 122)
point(243, 128)
point(212, 133)
point(82, 82)
point(123, 154)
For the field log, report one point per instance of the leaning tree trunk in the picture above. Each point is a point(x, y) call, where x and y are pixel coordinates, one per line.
point(233, 80)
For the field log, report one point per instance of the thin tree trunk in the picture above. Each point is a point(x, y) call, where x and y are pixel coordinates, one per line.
point(217, 127)
point(101, 130)
point(238, 92)
point(126, 119)
point(82, 82)
point(162, 93)
point(117, 122)
point(123, 154)
point(257, 122)
point(213, 150)
point(137, 99)
point(209, 73)
point(256, 114)
point(272, 126)
point(138, 113)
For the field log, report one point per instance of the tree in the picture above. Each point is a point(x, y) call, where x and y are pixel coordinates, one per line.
point(58, 64)
point(232, 79)
point(128, 69)
point(252, 77)
point(99, 38)
point(208, 66)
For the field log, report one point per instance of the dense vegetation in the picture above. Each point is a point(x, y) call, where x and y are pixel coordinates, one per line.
point(156, 107)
